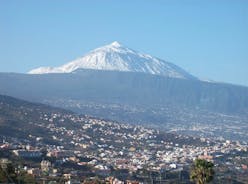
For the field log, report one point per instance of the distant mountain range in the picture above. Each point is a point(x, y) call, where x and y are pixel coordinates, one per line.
point(115, 57)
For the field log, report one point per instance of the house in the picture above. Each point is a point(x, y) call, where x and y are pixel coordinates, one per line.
point(28, 154)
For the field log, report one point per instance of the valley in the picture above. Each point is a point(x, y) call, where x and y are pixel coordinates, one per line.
point(106, 145)
point(182, 120)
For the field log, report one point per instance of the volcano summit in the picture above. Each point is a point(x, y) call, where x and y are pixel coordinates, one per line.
point(116, 57)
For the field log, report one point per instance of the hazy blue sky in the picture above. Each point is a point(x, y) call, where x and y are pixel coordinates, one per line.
point(208, 38)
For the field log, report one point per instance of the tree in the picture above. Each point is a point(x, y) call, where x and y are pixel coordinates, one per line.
point(202, 171)
point(25, 178)
point(7, 173)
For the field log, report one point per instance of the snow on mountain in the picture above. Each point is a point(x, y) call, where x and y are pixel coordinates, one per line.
point(118, 58)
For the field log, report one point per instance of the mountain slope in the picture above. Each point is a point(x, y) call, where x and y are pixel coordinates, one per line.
point(139, 98)
point(126, 88)
point(26, 120)
point(119, 58)
point(19, 118)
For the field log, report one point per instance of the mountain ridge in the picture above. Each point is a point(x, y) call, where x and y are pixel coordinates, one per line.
point(125, 87)
point(115, 57)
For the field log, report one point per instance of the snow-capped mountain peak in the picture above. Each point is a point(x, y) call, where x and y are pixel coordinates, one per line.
point(118, 58)
point(115, 44)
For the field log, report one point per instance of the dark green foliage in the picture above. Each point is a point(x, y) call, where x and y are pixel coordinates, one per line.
point(12, 175)
point(8, 174)
point(24, 178)
point(94, 180)
point(202, 171)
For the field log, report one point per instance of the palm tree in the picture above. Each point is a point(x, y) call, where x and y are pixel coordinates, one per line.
point(202, 171)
